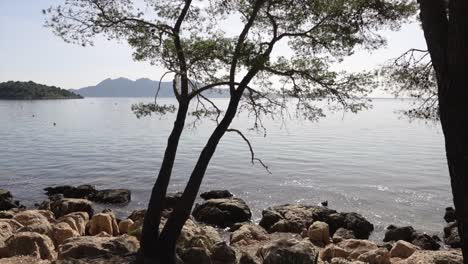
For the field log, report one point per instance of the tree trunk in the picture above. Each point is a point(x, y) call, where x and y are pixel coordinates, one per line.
point(150, 250)
point(447, 40)
point(181, 213)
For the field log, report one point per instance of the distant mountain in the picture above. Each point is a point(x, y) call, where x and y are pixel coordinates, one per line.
point(123, 87)
point(33, 91)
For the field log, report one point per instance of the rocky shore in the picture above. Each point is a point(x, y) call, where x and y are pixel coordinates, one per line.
point(65, 229)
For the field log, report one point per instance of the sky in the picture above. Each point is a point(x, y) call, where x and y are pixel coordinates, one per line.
point(29, 51)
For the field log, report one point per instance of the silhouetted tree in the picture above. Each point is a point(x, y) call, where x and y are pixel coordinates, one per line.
point(186, 38)
point(438, 78)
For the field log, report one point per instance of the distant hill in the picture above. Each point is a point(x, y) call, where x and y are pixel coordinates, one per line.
point(144, 87)
point(33, 91)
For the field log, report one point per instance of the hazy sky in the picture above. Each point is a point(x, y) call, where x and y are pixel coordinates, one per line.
point(28, 51)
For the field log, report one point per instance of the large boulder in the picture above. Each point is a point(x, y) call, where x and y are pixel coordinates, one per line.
point(77, 221)
point(216, 194)
point(342, 234)
point(23, 260)
point(103, 222)
point(96, 246)
point(402, 249)
point(30, 244)
point(451, 235)
point(137, 215)
point(222, 212)
point(319, 232)
point(197, 235)
point(356, 247)
point(248, 234)
point(111, 196)
point(434, 257)
point(82, 191)
point(376, 256)
point(288, 251)
point(332, 251)
point(297, 218)
point(66, 206)
point(6, 201)
point(425, 241)
point(7, 228)
point(62, 231)
point(34, 221)
point(124, 225)
point(195, 255)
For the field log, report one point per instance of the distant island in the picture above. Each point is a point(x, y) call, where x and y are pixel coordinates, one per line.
point(33, 91)
point(144, 87)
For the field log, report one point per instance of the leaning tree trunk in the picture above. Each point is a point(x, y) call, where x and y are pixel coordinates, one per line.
point(182, 211)
point(447, 40)
point(150, 248)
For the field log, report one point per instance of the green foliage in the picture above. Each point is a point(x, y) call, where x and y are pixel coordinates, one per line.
point(31, 91)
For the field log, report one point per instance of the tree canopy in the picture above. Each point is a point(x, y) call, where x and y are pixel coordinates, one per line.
point(31, 91)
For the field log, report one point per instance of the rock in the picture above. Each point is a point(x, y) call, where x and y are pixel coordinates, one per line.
point(7, 202)
point(103, 222)
point(399, 233)
point(221, 253)
point(137, 215)
point(6, 214)
point(376, 256)
point(30, 244)
point(356, 247)
point(248, 234)
point(222, 212)
point(293, 218)
point(33, 221)
point(319, 232)
point(288, 251)
point(77, 221)
point(358, 224)
point(112, 196)
point(434, 257)
point(7, 228)
point(82, 191)
point(90, 247)
point(124, 225)
point(342, 234)
point(23, 260)
point(216, 194)
point(332, 251)
point(195, 255)
point(62, 231)
point(451, 235)
point(246, 258)
point(197, 235)
point(450, 215)
point(402, 249)
point(15, 225)
point(135, 229)
point(424, 241)
point(70, 205)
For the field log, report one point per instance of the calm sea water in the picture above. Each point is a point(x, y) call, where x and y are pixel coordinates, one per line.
point(376, 163)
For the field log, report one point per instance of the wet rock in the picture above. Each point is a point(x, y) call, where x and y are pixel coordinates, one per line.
point(171, 200)
point(451, 235)
point(222, 212)
point(7, 202)
point(288, 251)
point(137, 215)
point(94, 246)
point(70, 205)
point(342, 234)
point(332, 251)
point(248, 234)
point(402, 249)
point(358, 224)
point(376, 256)
point(216, 194)
point(424, 241)
point(319, 232)
point(124, 225)
point(450, 215)
point(399, 233)
point(82, 191)
point(221, 253)
point(195, 255)
point(103, 222)
point(111, 196)
point(30, 244)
